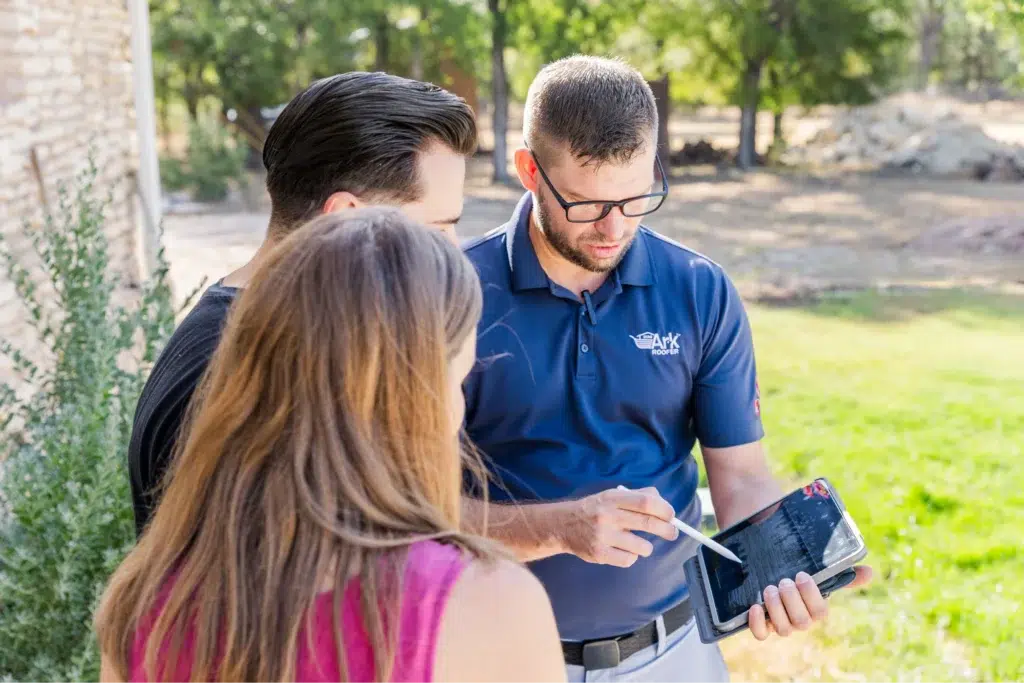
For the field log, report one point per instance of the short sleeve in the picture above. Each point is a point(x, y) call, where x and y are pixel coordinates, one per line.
point(726, 400)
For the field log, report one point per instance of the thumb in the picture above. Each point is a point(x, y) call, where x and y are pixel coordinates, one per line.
point(864, 575)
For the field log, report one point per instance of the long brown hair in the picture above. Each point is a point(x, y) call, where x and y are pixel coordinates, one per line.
point(319, 448)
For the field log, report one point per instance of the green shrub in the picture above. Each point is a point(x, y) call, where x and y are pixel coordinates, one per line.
point(173, 175)
point(214, 161)
point(65, 506)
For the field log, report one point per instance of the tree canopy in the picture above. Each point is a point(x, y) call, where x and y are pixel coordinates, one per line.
point(241, 55)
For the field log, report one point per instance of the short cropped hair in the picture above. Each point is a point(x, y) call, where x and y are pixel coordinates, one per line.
point(361, 133)
point(601, 109)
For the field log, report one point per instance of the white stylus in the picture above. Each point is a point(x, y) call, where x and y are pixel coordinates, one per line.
point(700, 538)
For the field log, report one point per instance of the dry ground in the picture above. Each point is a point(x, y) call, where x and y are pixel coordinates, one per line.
point(778, 234)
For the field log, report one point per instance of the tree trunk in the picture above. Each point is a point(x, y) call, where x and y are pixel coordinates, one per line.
point(300, 77)
point(499, 91)
point(419, 41)
point(985, 40)
point(967, 59)
point(249, 122)
point(163, 90)
point(778, 143)
point(660, 88)
point(163, 114)
point(932, 21)
point(382, 42)
point(191, 94)
point(751, 99)
point(416, 65)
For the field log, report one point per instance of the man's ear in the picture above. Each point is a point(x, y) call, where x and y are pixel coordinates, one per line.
point(526, 169)
point(340, 201)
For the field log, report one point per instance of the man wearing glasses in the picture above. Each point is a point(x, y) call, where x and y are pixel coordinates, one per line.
point(606, 352)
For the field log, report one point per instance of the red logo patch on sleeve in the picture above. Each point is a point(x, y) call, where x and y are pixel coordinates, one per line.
point(757, 398)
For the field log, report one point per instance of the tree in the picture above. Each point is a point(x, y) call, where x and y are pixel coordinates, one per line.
point(654, 38)
point(760, 26)
point(812, 51)
point(543, 31)
point(184, 46)
point(817, 64)
point(980, 44)
point(931, 24)
point(247, 54)
point(499, 88)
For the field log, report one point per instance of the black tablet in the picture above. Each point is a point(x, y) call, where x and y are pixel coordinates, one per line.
point(809, 531)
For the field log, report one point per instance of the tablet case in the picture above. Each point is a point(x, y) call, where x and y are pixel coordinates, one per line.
point(702, 610)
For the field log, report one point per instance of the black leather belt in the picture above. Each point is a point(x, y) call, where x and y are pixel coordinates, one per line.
point(608, 653)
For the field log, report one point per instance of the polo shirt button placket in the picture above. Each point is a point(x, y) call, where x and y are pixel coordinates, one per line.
point(586, 366)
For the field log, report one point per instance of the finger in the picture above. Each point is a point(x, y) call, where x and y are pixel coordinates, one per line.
point(814, 602)
point(646, 501)
point(865, 575)
point(757, 623)
point(616, 558)
point(777, 611)
point(793, 601)
point(630, 542)
point(652, 525)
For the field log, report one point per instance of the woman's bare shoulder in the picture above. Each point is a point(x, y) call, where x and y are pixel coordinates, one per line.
point(498, 625)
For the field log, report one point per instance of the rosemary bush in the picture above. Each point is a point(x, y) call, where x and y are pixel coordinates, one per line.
point(65, 506)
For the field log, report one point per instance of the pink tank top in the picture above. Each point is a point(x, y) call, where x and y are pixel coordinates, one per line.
point(430, 573)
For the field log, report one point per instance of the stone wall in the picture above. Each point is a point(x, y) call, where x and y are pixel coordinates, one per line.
point(65, 86)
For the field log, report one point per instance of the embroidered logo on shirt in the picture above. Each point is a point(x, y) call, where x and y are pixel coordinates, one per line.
point(658, 344)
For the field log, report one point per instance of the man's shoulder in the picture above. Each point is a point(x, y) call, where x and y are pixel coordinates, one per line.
point(204, 323)
point(191, 345)
point(485, 246)
point(669, 252)
point(490, 253)
point(678, 265)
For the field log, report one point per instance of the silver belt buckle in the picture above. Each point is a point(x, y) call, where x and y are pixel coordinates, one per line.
point(601, 654)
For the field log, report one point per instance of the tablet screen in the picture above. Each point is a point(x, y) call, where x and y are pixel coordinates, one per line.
point(804, 532)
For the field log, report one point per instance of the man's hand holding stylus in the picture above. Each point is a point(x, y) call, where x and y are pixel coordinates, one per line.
point(600, 528)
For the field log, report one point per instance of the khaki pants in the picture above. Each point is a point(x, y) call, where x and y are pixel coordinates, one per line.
point(679, 656)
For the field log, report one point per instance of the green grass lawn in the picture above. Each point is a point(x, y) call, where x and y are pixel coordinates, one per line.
point(913, 406)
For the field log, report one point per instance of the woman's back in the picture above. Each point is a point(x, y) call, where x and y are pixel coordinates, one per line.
point(324, 444)
point(430, 573)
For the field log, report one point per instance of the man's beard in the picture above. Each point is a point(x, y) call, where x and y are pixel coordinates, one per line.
point(569, 251)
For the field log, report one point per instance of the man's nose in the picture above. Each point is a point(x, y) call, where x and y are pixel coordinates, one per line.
point(613, 226)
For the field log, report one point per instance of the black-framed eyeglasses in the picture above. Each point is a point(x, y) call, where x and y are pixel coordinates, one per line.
point(592, 211)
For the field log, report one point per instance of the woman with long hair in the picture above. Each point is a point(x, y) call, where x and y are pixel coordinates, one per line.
point(309, 528)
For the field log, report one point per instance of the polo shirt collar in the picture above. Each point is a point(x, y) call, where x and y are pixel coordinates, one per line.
point(635, 269)
point(527, 272)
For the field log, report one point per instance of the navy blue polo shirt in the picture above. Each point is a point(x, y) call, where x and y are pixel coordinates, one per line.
point(568, 400)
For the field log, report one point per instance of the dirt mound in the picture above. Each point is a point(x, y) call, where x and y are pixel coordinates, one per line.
point(911, 133)
point(700, 152)
point(992, 235)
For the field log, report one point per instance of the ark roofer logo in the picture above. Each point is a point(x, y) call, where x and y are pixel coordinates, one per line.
point(666, 344)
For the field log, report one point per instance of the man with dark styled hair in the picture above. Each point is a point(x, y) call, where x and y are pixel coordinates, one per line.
point(346, 141)
point(611, 351)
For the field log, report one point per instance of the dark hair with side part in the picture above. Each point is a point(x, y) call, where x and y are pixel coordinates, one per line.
point(601, 109)
point(361, 133)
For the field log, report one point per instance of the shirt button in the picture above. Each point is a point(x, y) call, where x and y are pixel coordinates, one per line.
point(584, 348)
